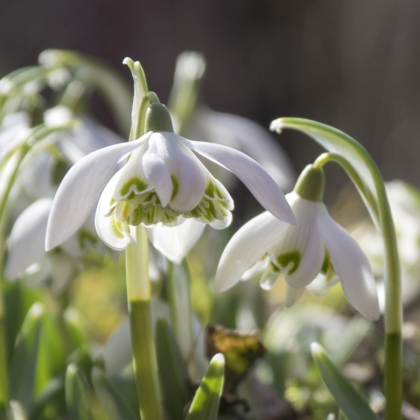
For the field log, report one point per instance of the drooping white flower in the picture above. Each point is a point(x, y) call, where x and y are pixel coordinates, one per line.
point(162, 182)
point(317, 244)
point(27, 256)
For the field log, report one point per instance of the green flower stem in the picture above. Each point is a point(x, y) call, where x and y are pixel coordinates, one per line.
point(143, 345)
point(178, 282)
point(393, 303)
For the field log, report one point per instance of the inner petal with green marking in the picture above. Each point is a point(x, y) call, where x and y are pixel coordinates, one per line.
point(141, 204)
point(289, 261)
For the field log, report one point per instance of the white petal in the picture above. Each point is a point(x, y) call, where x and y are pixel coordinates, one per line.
point(249, 137)
point(190, 174)
point(81, 188)
point(246, 247)
point(255, 178)
point(302, 240)
point(351, 266)
point(26, 243)
point(222, 224)
point(108, 228)
point(292, 295)
point(256, 270)
point(174, 242)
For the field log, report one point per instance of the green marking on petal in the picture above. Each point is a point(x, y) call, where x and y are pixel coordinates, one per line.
point(274, 267)
point(139, 185)
point(210, 190)
point(175, 187)
point(293, 257)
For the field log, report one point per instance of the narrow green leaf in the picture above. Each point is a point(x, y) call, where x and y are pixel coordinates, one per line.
point(23, 367)
point(205, 405)
point(112, 402)
point(74, 328)
point(173, 373)
point(354, 406)
point(76, 390)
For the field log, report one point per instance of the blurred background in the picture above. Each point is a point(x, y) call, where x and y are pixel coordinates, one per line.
point(351, 64)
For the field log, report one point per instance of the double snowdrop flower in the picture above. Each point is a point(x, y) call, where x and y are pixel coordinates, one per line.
point(317, 244)
point(161, 185)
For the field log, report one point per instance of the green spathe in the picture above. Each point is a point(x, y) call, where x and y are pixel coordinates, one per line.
point(310, 184)
point(158, 118)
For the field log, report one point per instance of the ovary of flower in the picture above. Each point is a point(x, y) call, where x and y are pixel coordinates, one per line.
point(162, 182)
point(300, 253)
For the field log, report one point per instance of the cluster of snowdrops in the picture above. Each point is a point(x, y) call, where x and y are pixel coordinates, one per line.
point(78, 200)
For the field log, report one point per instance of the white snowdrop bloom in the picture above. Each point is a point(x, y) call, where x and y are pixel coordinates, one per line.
point(317, 244)
point(27, 256)
point(162, 182)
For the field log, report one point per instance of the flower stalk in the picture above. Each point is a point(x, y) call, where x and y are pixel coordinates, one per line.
point(144, 354)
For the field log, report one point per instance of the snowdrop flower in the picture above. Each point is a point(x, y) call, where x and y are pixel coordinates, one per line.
point(163, 182)
point(196, 120)
point(317, 244)
point(27, 257)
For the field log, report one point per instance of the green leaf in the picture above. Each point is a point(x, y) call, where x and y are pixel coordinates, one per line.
point(205, 405)
point(353, 405)
point(362, 168)
point(23, 367)
point(173, 373)
point(73, 322)
point(76, 389)
point(111, 401)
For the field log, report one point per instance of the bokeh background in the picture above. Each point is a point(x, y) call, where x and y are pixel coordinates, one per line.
point(351, 64)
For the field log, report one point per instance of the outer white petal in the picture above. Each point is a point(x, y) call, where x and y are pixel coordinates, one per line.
point(246, 247)
point(351, 266)
point(191, 176)
point(249, 137)
point(106, 225)
point(255, 178)
point(292, 295)
point(174, 242)
point(304, 238)
point(81, 188)
point(26, 244)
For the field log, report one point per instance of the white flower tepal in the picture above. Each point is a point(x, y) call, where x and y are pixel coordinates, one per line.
point(301, 252)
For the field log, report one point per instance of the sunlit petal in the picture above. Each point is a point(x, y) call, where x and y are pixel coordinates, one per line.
point(174, 242)
point(26, 243)
point(109, 229)
point(351, 266)
point(81, 188)
point(246, 247)
point(255, 178)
